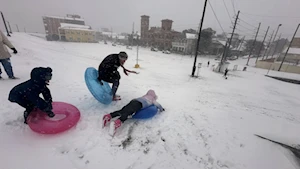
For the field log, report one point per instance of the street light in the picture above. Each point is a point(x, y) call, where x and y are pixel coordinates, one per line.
point(275, 35)
point(287, 50)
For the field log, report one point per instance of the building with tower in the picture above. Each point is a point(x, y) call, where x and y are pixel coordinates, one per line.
point(159, 37)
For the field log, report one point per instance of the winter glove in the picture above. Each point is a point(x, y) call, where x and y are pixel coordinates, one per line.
point(15, 50)
point(50, 114)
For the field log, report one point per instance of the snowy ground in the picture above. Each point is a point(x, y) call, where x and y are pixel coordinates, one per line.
point(209, 122)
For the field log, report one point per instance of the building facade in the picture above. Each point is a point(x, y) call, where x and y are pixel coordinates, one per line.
point(76, 33)
point(159, 37)
point(185, 44)
point(52, 23)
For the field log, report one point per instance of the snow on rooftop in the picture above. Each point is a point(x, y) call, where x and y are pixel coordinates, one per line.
point(191, 36)
point(68, 25)
point(81, 29)
point(68, 18)
point(292, 51)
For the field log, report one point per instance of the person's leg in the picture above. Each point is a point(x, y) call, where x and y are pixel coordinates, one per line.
point(0, 71)
point(28, 108)
point(7, 67)
point(115, 87)
point(125, 113)
point(130, 109)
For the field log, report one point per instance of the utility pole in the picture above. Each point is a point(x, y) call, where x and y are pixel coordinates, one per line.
point(273, 39)
point(9, 27)
point(24, 29)
point(288, 47)
point(5, 24)
point(262, 43)
point(133, 28)
point(229, 43)
point(276, 46)
point(17, 28)
point(267, 49)
point(253, 44)
point(199, 36)
point(241, 44)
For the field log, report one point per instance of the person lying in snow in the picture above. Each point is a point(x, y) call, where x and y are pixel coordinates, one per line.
point(108, 71)
point(130, 109)
point(27, 93)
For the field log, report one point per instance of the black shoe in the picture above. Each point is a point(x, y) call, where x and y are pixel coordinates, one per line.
point(14, 77)
point(1, 78)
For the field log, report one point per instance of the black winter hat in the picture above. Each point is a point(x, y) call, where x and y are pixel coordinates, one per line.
point(41, 74)
point(123, 56)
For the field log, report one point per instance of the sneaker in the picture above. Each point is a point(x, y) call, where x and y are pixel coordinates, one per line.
point(14, 77)
point(106, 119)
point(114, 126)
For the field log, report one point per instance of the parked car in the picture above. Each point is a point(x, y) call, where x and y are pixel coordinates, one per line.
point(113, 44)
point(233, 58)
point(129, 47)
point(154, 49)
point(166, 51)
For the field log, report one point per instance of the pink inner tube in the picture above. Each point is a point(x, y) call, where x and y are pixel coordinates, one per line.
point(39, 121)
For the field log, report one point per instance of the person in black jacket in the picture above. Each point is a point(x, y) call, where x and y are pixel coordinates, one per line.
point(108, 71)
point(27, 93)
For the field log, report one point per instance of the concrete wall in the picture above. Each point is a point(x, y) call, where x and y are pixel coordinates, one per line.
point(275, 66)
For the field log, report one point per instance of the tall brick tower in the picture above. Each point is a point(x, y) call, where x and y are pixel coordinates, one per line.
point(166, 24)
point(144, 26)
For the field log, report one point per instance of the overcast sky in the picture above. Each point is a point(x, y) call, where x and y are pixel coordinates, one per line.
point(120, 14)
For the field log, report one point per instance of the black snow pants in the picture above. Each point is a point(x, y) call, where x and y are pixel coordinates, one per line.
point(128, 110)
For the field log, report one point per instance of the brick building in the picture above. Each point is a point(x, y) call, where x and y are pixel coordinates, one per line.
point(76, 33)
point(52, 23)
point(160, 37)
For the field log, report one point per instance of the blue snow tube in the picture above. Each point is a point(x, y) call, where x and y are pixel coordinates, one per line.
point(100, 92)
point(146, 113)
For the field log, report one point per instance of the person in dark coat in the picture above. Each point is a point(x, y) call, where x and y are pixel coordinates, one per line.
point(27, 93)
point(225, 73)
point(108, 71)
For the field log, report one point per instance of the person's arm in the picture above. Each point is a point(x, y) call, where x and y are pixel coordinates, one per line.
point(47, 96)
point(8, 43)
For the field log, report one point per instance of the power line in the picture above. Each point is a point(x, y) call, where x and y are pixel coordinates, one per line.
point(216, 16)
point(246, 28)
point(232, 2)
point(272, 16)
point(227, 12)
point(247, 23)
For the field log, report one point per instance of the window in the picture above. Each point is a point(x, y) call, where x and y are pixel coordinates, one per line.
point(78, 33)
point(86, 33)
point(78, 39)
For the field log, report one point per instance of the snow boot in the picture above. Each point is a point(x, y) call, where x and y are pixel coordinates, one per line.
point(106, 119)
point(114, 126)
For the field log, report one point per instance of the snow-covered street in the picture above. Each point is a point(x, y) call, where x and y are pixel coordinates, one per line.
point(209, 122)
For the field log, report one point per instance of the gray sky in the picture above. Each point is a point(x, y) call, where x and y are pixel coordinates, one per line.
point(120, 14)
